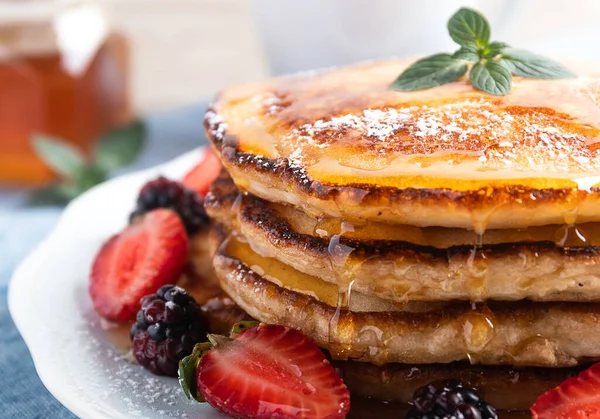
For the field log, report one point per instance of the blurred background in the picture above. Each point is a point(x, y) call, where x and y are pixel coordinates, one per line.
point(72, 70)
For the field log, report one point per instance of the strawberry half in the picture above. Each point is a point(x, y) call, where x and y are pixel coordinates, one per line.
point(266, 372)
point(576, 398)
point(203, 174)
point(146, 255)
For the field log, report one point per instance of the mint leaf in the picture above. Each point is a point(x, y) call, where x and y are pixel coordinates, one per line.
point(82, 180)
point(492, 77)
point(467, 53)
point(120, 146)
point(527, 64)
point(468, 27)
point(494, 48)
point(494, 62)
point(430, 72)
point(61, 192)
point(62, 157)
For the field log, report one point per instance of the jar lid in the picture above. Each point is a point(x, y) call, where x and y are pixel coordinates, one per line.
point(74, 28)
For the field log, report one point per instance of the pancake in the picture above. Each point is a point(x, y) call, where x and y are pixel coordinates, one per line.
point(504, 387)
point(389, 267)
point(340, 143)
point(502, 333)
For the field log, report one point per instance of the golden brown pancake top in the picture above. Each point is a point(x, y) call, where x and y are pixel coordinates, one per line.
point(451, 145)
point(543, 128)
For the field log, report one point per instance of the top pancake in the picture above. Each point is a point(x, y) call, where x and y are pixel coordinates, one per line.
point(341, 143)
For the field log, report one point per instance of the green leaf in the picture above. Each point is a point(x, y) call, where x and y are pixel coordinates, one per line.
point(469, 27)
point(187, 371)
point(241, 326)
point(82, 180)
point(527, 64)
point(492, 77)
point(120, 146)
point(468, 53)
point(62, 157)
point(494, 48)
point(50, 195)
point(430, 72)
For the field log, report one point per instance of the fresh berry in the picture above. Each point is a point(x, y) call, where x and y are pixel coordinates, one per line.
point(146, 255)
point(203, 174)
point(165, 193)
point(167, 327)
point(576, 398)
point(267, 371)
point(449, 399)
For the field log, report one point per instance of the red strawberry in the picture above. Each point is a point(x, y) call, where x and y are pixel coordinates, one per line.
point(576, 398)
point(266, 372)
point(146, 255)
point(203, 174)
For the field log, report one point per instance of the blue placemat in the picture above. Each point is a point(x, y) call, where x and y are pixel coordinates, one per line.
point(22, 394)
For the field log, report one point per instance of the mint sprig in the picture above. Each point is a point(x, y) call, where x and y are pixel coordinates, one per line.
point(430, 72)
point(492, 64)
point(77, 172)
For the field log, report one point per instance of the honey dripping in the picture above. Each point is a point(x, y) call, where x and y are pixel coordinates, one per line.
point(570, 235)
point(237, 204)
point(478, 330)
point(338, 258)
point(477, 267)
point(320, 227)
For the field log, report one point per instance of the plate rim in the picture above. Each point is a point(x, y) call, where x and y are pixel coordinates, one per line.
point(20, 301)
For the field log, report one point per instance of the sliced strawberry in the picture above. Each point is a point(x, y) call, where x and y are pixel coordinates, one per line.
point(576, 398)
point(267, 371)
point(203, 174)
point(146, 255)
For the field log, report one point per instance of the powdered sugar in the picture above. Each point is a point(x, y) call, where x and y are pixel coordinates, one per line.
point(134, 390)
point(513, 138)
point(271, 102)
point(215, 124)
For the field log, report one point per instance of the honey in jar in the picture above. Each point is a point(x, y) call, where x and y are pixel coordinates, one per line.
point(62, 73)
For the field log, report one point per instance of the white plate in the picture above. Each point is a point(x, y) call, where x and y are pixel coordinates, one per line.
point(49, 302)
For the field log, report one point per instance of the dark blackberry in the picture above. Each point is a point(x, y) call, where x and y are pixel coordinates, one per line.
point(449, 400)
point(165, 193)
point(167, 327)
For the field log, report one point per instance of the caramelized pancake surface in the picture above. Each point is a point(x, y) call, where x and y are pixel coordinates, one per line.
point(504, 387)
point(340, 143)
point(382, 262)
point(518, 334)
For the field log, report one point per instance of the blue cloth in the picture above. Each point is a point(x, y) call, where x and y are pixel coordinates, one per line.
point(22, 394)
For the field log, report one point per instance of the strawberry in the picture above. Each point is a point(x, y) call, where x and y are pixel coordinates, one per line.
point(203, 174)
point(576, 398)
point(265, 372)
point(149, 253)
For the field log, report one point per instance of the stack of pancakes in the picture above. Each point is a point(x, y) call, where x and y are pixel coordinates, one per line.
point(444, 233)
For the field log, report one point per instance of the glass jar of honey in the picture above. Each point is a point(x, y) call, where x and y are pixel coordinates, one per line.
point(62, 73)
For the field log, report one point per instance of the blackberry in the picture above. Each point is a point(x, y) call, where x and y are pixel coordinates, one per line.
point(165, 193)
point(167, 327)
point(449, 400)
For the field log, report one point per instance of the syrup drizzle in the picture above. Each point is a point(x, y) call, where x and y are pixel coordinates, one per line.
point(570, 235)
point(478, 330)
point(338, 258)
point(478, 324)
